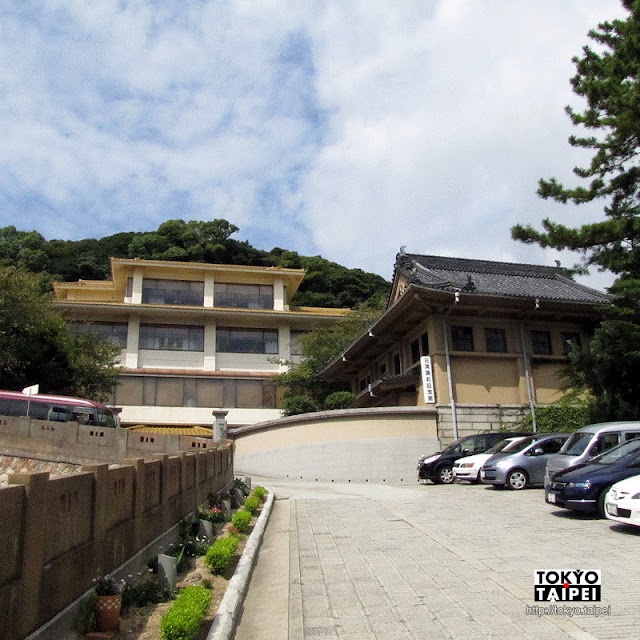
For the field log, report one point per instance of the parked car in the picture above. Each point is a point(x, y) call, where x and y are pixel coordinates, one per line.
point(590, 441)
point(622, 501)
point(438, 467)
point(468, 468)
point(524, 464)
point(584, 488)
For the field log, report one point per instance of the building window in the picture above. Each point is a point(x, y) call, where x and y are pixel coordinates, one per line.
point(166, 391)
point(419, 347)
point(397, 364)
point(296, 343)
point(243, 296)
point(116, 332)
point(180, 292)
point(496, 340)
point(229, 340)
point(541, 343)
point(462, 338)
point(570, 339)
point(166, 337)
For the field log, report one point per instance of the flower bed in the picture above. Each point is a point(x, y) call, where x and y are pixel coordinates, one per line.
point(144, 622)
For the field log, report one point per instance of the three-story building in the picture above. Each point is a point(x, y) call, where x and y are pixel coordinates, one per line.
point(195, 337)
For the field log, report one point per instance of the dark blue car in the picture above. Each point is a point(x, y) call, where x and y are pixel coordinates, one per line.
point(583, 488)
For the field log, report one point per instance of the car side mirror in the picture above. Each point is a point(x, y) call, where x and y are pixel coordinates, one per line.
point(466, 452)
point(538, 451)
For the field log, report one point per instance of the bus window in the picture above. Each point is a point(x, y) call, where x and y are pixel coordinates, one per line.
point(83, 416)
point(58, 414)
point(106, 418)
point(38, 410)
point(17, 408)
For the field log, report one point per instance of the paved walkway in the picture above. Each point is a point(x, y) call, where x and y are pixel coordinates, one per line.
point(368, 562)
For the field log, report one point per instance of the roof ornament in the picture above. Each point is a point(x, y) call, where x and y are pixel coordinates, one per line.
point(403, 249)
point(470, 286)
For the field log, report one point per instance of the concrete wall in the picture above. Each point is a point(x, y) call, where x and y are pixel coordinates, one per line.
point(58, 535)
point(473, 418)
point(353, 445)
point(86, 444)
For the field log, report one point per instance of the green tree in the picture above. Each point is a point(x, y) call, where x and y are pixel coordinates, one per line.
point(608, 79)
point(35, 346)
point(304, 390)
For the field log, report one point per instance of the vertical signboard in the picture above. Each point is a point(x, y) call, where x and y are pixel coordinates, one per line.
point(427, 380)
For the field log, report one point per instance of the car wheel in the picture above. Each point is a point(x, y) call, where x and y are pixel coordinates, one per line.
point(517, 479)
point(600, 503)
point(445, 475)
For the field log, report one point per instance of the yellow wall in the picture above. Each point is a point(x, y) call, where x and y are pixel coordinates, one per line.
point(486, 380)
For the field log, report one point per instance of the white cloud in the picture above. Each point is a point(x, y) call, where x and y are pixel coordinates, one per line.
point(341, 128)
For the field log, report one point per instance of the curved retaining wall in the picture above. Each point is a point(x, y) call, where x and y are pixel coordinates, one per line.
point(353, 445)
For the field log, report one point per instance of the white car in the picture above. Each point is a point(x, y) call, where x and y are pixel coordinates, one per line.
point(468, 468)
point(622, 502)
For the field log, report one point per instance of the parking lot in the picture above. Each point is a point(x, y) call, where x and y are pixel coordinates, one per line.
point(424, 561)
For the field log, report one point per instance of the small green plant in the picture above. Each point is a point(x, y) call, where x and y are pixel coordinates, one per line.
point(220, 553)
point(242, 486)
point(260, 492)
point(252, 504)
point(241, 520)
point(338, 400)
point(107, 586)
point(183, 620)
point(147, 589)
point(212, 514)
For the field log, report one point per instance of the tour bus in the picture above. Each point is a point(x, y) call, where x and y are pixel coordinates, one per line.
point(57, 409)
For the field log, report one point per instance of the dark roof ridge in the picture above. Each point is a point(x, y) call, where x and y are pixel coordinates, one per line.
point(482, 266)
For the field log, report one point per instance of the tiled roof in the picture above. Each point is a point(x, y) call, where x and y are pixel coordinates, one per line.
point(487, 277)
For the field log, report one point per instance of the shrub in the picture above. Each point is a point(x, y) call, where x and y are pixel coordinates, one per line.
point(213, 514)
point(242, 486)
point(251, 504)
point(561, 417)
point(296, 405)
point(149, 589)
point(259, 492)
point(241, 520)
point(183, 620)
point(338, 400)
point(220, 553)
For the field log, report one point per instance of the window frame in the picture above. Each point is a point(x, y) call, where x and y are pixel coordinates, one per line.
point(461, 338)
point(150, 338)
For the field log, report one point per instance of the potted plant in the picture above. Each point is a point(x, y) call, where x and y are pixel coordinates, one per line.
point(108, 603)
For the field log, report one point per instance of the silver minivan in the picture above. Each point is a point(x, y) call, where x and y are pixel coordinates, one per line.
point(590, 441)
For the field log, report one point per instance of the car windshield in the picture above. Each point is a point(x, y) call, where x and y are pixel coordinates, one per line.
point(520, 445)
point(503, 445)
point(614, 454)
point(576, 444)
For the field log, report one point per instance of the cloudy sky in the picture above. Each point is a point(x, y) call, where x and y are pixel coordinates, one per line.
point(344, 128)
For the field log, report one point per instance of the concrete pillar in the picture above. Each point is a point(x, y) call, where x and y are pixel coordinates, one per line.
point(136, 296)
point(210, 345)
point(102, 563)
point(278, 295)
point(133, 342)
point(138, 502)
point(219, 424)
point(284, 347)
point(35, 485)
point(208, 291)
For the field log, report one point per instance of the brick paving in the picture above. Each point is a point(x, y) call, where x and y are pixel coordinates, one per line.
point(453, 562)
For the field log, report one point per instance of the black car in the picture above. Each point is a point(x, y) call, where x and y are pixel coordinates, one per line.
point(584, 488)
point(438, 467)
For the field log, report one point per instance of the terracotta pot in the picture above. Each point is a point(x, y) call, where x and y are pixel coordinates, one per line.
point(107, 611)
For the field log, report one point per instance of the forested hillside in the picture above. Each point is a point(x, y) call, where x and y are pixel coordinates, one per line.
point(326, 283)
